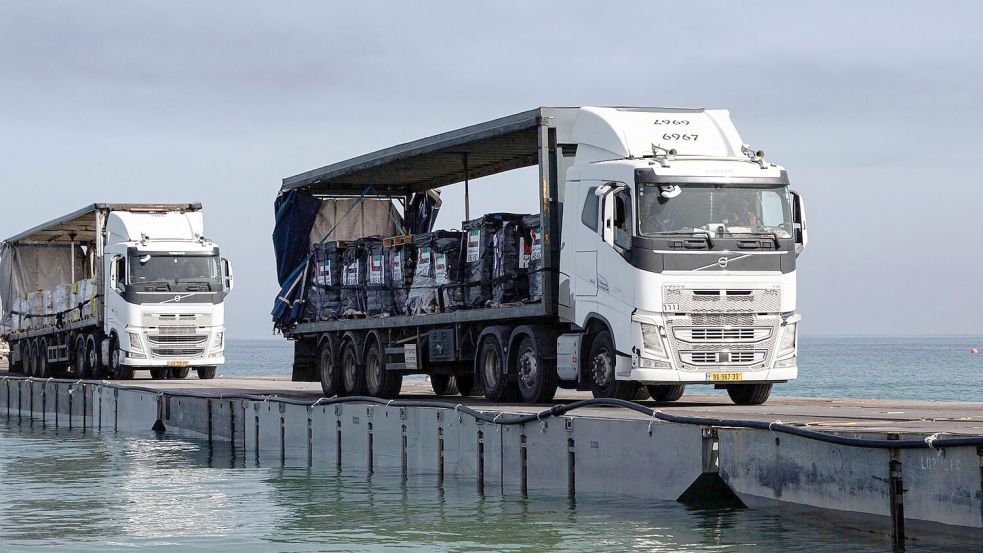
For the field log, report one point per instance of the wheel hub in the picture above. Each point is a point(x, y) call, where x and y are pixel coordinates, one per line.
point(528, 368)
point(601, 368)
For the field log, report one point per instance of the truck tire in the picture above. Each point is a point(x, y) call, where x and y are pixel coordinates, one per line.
point(180, 372)
point(666, 392)
point(379, 381)
point(92, 357)
point(467, 385)
point(78, 358)
point(26, 358)
point(444, 385)
point(536, 377)
point(329, 370)
point(490, 366)
point(352, 374)
point(160, 374)
point(36, 353)
point(601, 369)
point(749, 394)
point(206, 373)
point(117, 370)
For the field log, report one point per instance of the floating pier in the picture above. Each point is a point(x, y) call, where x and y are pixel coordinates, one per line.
point(768, 456)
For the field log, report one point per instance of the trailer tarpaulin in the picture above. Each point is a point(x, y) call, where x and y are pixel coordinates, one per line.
point(296, 211)
point(25, 268)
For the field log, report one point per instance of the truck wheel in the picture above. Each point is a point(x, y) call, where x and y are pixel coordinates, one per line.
point(33, 369)
point(330, 371)
point(443, 385)
point(25, 357)
point(180, 372)
point(379, 381)
point(666, 392)
point(117, 370)
point(159, 374)
point(490, 366)
point(749, 394)
point(601, 363)
point(92, 357)
point(536, 377)
point(44, 368)
point(81, 359)
point(352, 375)
point(467, 386)
point(206, 373)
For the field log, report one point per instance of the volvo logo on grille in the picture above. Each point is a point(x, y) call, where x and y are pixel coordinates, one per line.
point(722, 262)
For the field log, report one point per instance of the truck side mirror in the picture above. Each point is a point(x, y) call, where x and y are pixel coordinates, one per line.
point(799, 226)
point(227, 279)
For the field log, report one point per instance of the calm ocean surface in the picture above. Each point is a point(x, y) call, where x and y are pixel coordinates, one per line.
point(82, 491)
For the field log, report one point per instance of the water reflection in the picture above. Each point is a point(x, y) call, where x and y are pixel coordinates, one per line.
point(105, 492)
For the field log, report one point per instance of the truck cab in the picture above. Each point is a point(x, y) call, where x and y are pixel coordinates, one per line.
point(164, 294)
point(678, 253)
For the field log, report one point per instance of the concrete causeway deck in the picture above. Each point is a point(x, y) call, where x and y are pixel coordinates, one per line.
point(904, 493)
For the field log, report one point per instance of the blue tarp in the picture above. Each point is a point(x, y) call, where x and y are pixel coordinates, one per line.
point(296, 211)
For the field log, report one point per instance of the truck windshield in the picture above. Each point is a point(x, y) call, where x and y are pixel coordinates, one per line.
point(148, 268)
point(717, 209)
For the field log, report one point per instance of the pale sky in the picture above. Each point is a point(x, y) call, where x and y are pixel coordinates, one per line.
point(875, 109)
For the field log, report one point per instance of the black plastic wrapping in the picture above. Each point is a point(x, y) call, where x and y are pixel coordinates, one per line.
point(353, 279)
point(531, 256)
point(400, 261)
point(507, 287)
point(436, 285)
point(324, 289)
point(479, 256)
point(378, 284)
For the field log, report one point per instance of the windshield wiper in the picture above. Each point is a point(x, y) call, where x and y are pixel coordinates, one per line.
point(773, 235)
point(703, 233)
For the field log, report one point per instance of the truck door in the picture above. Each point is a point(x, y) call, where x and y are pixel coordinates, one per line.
point(615, 278)
point(114, 284)
point(588, 238)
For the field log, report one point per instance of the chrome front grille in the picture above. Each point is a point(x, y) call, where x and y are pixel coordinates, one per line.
point(701, 340)
point(714, 334)
point(154, 320)
point(723, 358)
point(176, 352)
point(182, 339)
point(678, 299)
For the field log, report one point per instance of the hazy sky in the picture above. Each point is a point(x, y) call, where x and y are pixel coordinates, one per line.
point(875, 109)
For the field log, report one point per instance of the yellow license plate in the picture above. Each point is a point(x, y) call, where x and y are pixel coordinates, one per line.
point(726, 377)
point(178, 363)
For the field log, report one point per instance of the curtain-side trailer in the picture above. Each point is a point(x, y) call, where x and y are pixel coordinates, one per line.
point(668, 252)
point(113, 288)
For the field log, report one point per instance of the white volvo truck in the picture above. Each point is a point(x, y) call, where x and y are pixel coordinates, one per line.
point(669, 255)
point(114, 288)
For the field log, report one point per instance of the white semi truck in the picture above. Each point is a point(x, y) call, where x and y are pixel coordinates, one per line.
point(114, 288)
point(669, 253)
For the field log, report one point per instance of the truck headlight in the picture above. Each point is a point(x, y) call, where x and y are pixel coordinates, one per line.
point(135, 344)
point(652, 340)
point(219, 341)
point(788, 339)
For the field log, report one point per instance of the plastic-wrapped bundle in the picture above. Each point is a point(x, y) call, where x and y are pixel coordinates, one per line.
point(531, 256)
point(324, 289)
point(400, 261)
point(378, 285)
point(86, 295)
point(447, 268)
point(436, 286)
point(62, 301)
point(505, 264)
point(479, 256)
point(353, 282)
